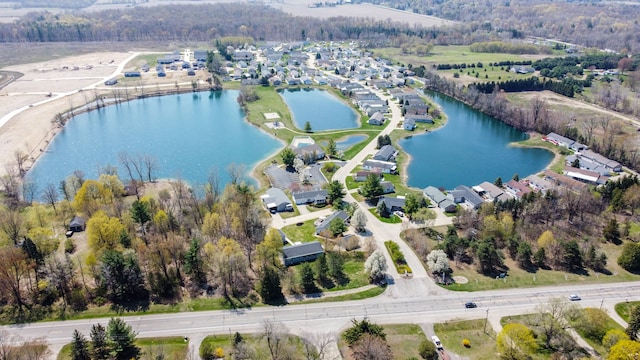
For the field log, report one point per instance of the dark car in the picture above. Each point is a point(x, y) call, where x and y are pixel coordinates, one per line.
point(470, 305)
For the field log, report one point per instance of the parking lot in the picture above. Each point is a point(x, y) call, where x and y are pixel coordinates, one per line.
point(283, 179)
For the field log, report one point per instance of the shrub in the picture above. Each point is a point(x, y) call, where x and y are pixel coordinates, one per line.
point(466, 343)
point(69, 246)
point(427, 350)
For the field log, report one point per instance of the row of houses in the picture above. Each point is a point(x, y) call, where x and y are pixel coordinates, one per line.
point(275, 200)
point(587, 159)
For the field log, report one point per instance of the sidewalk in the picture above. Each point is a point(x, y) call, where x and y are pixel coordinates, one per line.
point(327, 294)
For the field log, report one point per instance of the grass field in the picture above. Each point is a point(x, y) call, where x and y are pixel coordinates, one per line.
point(305, 232)
point(353, 269)
point(403, 339)
point(393, 219)
point(596, 343)
point(483, 344)
point(624, 309)
point(169, 348)
point(254, 341)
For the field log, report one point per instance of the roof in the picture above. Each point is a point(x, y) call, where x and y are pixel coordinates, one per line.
point(491, 189)
point(469, 195)
point(518, 188)
point(277, 196)
point(326, 222)
point(377, 116)
point(309, 149)
point(409, 123)
point(300, 250)
point(379, 164)
point(77, 221)
point(564, 180)
point(391, 202)
point(313, 194)
point(385, 152)
point(560, 139)
point(612, 164)
point(434, 194)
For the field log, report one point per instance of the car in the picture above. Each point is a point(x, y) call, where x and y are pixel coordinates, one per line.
point(436, 342)
point(574, 297)
point(399, 213)
point(470, 305)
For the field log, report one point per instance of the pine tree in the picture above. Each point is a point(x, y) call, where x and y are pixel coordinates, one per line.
point(99, 346)
point(269, 288)
point(322, 269)
point(79, 347)
point(307, 281)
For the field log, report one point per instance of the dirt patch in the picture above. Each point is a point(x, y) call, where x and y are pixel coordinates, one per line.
point(7, 77)
point(460, 279)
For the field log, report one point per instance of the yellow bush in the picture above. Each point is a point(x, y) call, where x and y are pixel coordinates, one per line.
point(466, 343)
point(219, 354)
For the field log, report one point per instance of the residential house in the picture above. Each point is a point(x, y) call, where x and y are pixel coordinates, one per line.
point(387, 187)
point(425, 119)
point(564, 142)
point(517, 189)
point(491, 192)
point(384, 167)
point(296, 254)
point(392, 204)
point(376, 119)
point(310, 153)
point(586, 176)
point(464, 195)
point(242, 55)
point(276, 200)
point(590, 156)
point(362, 175)
point(324, 224)
point(439, 199)
point(77, 224)
point(409, 124)
point(415, 108)
point(564, 181)
point(315, 197)
point(537, 183)
point(386, 153)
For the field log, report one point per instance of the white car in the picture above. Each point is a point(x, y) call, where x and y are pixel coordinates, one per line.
point(437, 342)
point(574, 297)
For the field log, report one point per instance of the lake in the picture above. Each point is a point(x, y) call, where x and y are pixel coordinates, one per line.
point(471, 148)
point(187, 134)
point(320, 108)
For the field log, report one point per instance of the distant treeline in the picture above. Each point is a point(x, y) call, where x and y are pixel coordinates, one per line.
point(202, 23)
point(480, 65)
point(509, 48)
point(567, 87)
point(63, 4)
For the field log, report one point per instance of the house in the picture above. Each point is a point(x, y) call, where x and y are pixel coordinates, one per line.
point(517, 189)
point(439, 199)
point(362, 175)
point(491, 192)
point(409, 124)
point(384, 167)
point(586, 176)
point(387, 187)
point(392, 204)
point(464, 195)
point(598, 159)
point(296, 254)
point(276, 200)
point(241, 55)
point(309, 153)
point(77, 224)
point(386, 153)
point(376, 119)
point(564, 142)
point(324, 224)
point(537, 183)
point(564, 181)
point(425, 119)
point(316, 197)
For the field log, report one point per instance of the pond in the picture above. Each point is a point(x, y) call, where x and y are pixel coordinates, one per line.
point(188, 135)
point(320, 108)
point(345, 143)
point(471, 148)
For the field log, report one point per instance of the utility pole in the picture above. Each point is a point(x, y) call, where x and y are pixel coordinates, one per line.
point(486, 319)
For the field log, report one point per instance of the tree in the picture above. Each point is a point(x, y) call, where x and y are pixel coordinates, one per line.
point(99, 343)
point(298, 166)
point(630, 257)
point(371, 188)
point(437, 261)
point(322, 269)
point(229, 265)
point(11, 224)
point(411, 204)
point(612, 337)
point(371, 347)
point(624, 350)
point(121, 278)
point(50, 195)
point(572, 257)
point(376, 266)
point(336, 266)
point(269, 287)
point(427, 350)
point(307, 127)
point(288, 156)
point(498, 182)
point(104, 232)
point(360, 328)
point(516, 341)
point(193, 263)
point(331, 149)
point(359, 220)
point(523, 254)
point(382, 209)
point(15, 269)
point(79, 347)
point(90, 196)
point(633, 326)
point(121, 339)
point(425, 216)
point(611, 231)
point(553, 318)
point(140, 212)
point(268, 251)
point(488, 256)
point(307, 279)
point(337, 227)
point(592, 323)
point(335, 192)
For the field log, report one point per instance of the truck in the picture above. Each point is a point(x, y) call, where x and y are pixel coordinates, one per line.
point(437, 343)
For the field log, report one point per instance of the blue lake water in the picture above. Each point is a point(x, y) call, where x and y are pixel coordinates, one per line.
point(471, 148)
point(346, 143)
point(320, 108)
point(187, 134)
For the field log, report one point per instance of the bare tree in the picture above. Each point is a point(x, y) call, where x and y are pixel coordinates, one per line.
point(20, 157)
point(236, 172)
point(371, 347)
point(50, 195)
point(11, 224)
point(29, 190)
point(10, 183)
point(126, 161)
point(212, 189)
point(316, 346)
point(150, 164)
point(554, 317)
point(276, 337)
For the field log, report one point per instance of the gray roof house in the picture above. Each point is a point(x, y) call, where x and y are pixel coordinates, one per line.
point(376, 119)
point(392, 204)
point(77, 224)
point(439, 198)
point(324, 224)
point(596, 158)
point(310, 153)
point(296, 254)
point(386, 153)
point(385, 167)
point(316, 197)
point(426, 119)
point(362, 175)
point(409, 124)
point(276, 200)
point(464, 194)
point(564, 142)
point(387, 187)
point(492, 193)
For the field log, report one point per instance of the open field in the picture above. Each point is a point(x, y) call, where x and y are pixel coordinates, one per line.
point(403, 339)
point(152, 348)
point(483, 344)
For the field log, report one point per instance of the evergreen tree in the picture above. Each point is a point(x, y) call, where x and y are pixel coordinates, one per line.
point(498, 182)
point(269, 288)
point(193, 263)
point(140, 212)
point(121, 339)
point(99, 345)
point(307, 127)
point(322, 269)
point(371, 188)
point(331, 149)
point(335, 192)
point(307, 281)
point(336, 266)
point(634, 323)
point(611, 231)
point(79, 347)
point(288, 156)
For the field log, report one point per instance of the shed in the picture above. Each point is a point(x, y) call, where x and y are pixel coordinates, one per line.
point(296, 254)
point(77, 224)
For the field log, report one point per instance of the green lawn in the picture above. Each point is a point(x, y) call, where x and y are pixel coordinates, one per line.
point(404, 340)
point(254, 341)
point(483, 345)
point(353, 269)
point(596, 343)
point(624, 309)
point(352, 183)
point(138, 61)
point(171, 348)
point(366, 294)
point(390, 220)
point(305, 232)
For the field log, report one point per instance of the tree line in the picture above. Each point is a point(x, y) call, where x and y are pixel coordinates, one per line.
point(508, 48)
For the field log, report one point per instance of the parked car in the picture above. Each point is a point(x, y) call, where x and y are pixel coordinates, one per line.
point(470, 305)
point(574, 297)
point(436, 342)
